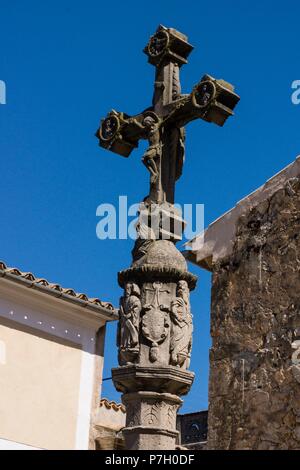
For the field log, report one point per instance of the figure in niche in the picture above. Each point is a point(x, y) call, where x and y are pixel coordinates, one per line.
point(182, 327)
point(128, 327)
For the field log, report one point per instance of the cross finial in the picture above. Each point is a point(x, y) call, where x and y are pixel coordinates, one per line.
point(163, 123)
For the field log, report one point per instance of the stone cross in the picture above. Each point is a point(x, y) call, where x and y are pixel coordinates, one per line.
point(163, 123)
point(156, 289)
point(155, 321)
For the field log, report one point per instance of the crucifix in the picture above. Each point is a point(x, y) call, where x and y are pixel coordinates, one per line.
point(163, 123)
point(154, 373)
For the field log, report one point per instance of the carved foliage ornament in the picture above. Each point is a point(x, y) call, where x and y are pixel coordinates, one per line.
point(157, 413)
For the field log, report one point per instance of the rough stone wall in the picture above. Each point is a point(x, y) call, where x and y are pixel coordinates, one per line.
point(255, 368)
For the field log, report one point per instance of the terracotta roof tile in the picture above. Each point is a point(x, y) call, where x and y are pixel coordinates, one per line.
point(112, 405)
point(55, 287)
point(28, 276)
point(69, 292)
point(82, 297)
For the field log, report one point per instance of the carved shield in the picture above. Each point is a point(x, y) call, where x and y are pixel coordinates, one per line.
point(155, 325)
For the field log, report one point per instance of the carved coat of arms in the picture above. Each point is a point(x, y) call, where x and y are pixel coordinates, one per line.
point(155, 321)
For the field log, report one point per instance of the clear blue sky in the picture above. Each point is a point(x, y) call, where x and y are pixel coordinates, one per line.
point(66, 64)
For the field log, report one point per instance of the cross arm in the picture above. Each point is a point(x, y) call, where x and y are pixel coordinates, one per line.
point(211, 100)
point(121, 133)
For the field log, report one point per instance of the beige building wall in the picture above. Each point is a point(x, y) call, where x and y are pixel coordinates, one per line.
point(51, 363)
point(39, 387)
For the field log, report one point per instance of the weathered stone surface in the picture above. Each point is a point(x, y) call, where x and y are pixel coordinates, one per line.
point(141, 438)
point(155, 324)
point(151, 414)
point(255, 320)
point(135, 378)
point(154, 341)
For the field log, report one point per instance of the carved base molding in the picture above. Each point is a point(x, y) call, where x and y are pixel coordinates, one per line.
point(141, 438)
point(153, 273)
point(151, 420)
point(137, 378)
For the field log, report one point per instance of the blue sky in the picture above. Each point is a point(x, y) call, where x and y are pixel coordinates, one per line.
point(66, 64)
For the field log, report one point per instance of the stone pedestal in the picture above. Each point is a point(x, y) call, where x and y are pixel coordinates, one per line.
point(151, 422)
point(150, 407)
point(154, 341)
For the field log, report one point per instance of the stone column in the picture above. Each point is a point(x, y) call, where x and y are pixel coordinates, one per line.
point(154, 341)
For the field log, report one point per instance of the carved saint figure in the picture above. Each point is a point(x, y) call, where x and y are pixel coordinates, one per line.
point(182, 327)
point(128, 327)
point(183, 291)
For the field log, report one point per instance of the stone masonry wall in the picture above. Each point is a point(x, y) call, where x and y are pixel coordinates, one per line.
point(254, 390)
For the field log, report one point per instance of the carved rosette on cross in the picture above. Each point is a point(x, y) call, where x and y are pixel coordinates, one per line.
point(155, 327)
